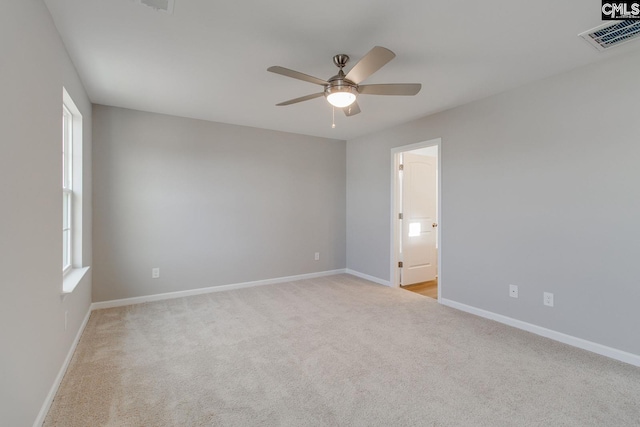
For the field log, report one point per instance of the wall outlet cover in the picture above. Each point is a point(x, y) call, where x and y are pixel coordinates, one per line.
point(548, 299)
point(513, 291)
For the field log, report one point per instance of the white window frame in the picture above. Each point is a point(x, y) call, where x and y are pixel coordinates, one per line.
point(72, 269)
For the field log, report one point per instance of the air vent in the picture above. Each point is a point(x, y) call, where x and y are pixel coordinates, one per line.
point(612, 34)
point(165, 6)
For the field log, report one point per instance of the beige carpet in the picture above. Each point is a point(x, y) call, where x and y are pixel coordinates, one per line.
point(334, 351)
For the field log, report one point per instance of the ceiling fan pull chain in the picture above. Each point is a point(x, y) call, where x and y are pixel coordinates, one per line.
point(333, 123)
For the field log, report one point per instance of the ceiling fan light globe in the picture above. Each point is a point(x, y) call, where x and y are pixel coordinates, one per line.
point(341, 99)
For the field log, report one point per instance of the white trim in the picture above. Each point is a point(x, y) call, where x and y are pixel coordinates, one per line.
point(367, 277)
point(199, 291)
point(63, 370)
point(72, 278)
point(394, 272)
point(394, 278)
point(623, 356)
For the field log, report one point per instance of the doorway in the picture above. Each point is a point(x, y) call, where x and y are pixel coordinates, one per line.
point(416, 218)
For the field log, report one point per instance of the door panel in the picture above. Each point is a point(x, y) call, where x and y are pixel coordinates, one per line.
point(419, 217)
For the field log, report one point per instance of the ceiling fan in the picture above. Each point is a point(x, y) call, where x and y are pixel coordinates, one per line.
point(342, 90)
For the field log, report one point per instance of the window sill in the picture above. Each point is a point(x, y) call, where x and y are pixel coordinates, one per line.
point(72, 278)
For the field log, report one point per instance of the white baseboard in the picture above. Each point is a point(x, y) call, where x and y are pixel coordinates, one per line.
point(367, 277)
point(200, 291)
point(623, 356)
point(56, 384)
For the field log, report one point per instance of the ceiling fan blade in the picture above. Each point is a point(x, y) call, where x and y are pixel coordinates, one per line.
point(297, 75)
point(406, 89)
point(352, 109)
point(370, 63)
point(302, 98)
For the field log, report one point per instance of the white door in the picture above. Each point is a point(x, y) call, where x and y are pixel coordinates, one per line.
point(419, 195)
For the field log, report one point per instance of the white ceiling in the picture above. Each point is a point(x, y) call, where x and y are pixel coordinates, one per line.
point(208, 60)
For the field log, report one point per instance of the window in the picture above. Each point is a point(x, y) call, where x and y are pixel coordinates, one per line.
point(67, 187)
point(72, 268)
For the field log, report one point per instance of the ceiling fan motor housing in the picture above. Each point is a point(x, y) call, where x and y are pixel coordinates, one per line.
point(339, 83)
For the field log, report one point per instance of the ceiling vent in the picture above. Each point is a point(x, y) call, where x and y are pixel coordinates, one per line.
point(612, 34)
point(165, 6)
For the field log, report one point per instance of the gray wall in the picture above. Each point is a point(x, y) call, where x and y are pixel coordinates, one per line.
point(210, 204)
point(539, 189)
point(34, 66)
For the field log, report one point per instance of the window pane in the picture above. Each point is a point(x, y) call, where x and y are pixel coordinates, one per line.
point(64, 131)
point(66, 229)
point(67, 121)
point(66, 248)
point(66, 148)
point(66, 210)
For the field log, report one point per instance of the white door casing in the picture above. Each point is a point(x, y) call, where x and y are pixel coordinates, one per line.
point(419, 210)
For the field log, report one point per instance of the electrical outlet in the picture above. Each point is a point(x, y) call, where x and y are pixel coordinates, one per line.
point(155, 273)
point(66, 319)
point(548, 299)
point(317, 256)
point(513, 291)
